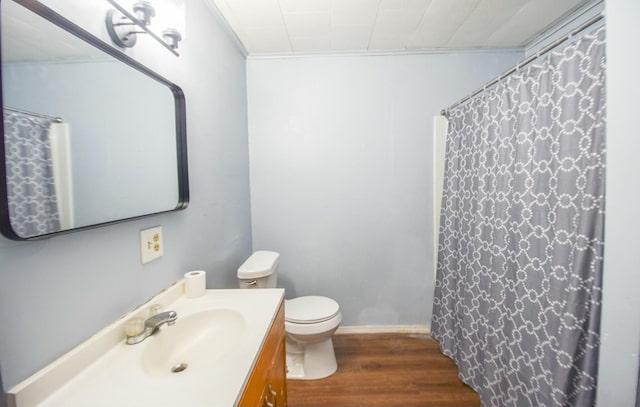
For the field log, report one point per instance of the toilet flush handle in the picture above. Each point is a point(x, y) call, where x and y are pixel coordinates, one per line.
point(251, 283)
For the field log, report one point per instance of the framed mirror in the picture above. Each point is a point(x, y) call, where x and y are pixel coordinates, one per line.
point(90, 136)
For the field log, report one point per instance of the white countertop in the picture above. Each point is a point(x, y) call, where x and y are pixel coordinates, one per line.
point(108, 372)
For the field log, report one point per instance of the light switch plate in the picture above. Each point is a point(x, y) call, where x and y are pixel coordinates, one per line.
point(151, 244)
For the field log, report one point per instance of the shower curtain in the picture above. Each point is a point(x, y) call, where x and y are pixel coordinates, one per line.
point(33, 207)
point(518, 287)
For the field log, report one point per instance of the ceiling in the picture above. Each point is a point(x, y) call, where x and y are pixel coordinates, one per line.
point(27, 37)
point(317, 26)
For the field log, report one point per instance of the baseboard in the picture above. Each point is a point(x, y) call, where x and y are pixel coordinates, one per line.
point(379, 329)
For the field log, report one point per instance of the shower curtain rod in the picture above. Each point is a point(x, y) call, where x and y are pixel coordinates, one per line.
point(585, 25)
point(44, 116)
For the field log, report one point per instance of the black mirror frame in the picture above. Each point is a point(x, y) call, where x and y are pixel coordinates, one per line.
point(180, 114)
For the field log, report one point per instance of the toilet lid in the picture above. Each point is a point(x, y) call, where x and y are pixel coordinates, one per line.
point(310, 309)
point(260, 264)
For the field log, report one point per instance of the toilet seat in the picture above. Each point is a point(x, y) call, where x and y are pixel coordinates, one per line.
point(310, 309)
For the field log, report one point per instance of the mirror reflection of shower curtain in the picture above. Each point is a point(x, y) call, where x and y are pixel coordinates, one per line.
point(33, 166)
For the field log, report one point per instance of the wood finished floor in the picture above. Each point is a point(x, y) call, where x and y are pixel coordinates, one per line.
point(386, 370)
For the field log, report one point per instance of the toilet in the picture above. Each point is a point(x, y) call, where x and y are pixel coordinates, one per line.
point(310, 321)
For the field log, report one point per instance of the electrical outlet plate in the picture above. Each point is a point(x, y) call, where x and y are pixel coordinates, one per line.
point(151, 244)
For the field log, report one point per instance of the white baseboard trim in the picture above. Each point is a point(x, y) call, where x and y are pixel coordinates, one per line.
point(380, 329)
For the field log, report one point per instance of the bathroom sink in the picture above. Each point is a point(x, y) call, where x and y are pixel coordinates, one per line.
point(202, 360)
point(194, 343)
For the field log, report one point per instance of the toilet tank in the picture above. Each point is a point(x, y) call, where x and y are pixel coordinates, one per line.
point(260, 270)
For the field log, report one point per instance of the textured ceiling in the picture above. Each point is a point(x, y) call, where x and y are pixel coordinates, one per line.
point(28, 37)
point(308, 26)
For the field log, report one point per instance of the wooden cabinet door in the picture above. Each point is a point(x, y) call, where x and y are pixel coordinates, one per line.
point(277, 380)
point(267, 384)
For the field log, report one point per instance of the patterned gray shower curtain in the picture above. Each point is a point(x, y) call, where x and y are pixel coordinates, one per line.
point(518, 286)
point(33, 207)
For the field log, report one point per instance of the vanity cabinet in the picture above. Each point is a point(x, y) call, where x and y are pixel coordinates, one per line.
point(267, 386)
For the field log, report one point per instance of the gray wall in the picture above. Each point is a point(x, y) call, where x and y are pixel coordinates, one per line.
point(618, 375)
point(341, 173)
point(57, 292)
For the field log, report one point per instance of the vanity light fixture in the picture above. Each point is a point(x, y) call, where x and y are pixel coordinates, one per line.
point(172, 37)
point(123, 27)
point(144, 11)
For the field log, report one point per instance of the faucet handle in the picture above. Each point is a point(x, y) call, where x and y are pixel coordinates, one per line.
point(134, 326)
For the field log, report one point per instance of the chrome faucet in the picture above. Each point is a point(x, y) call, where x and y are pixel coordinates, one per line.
point(152, 324)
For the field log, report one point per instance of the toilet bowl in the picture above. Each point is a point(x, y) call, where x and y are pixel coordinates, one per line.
point(309, 324)
point(310, 321)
